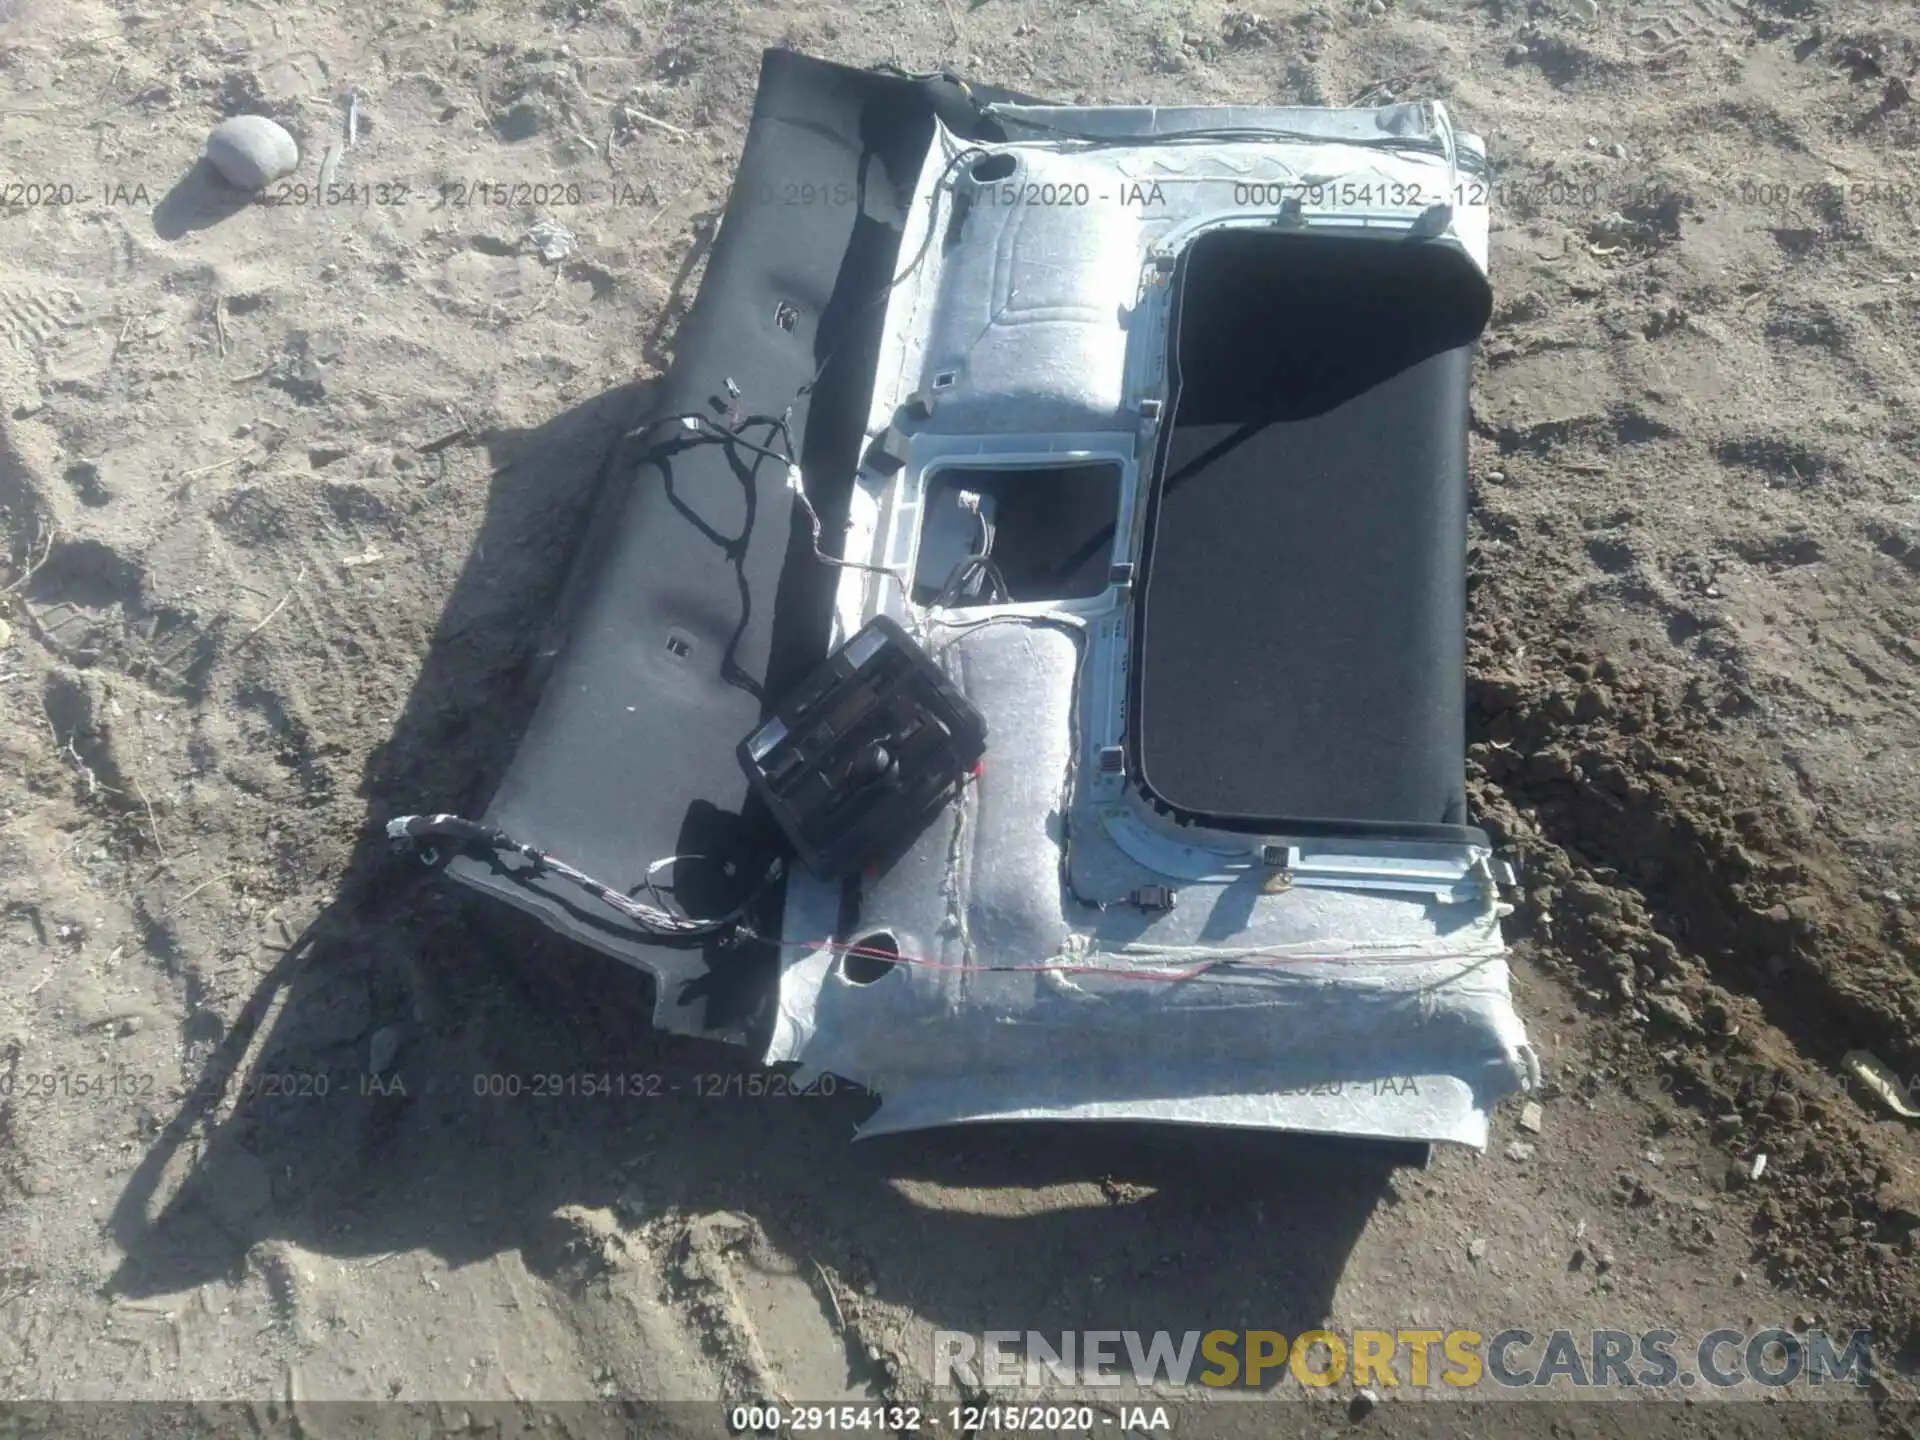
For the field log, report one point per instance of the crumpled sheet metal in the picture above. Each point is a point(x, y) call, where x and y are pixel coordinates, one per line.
point(1401, 1048)
point(1039, 318)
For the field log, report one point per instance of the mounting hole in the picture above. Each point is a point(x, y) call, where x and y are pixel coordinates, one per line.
point(785, 315)
point(994, 167)
point(944, 380)
point(868, 957)
point(678, 647)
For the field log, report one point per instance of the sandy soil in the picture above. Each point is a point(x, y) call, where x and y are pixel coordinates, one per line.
point(287, 491)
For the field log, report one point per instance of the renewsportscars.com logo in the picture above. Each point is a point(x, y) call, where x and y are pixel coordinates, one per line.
point(1506, 1362)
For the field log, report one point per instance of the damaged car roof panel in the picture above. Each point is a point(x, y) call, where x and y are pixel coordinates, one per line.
point(1147, 426)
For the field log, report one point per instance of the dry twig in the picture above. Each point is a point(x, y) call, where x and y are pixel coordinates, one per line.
point(832, 1295)
point(276, 609)
point(25, 575)
point(232, 459)
point(628, 108)
point(223, 875)
point(153, 827)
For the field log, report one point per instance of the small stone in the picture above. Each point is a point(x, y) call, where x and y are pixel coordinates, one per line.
point(1519, 1151)
point(1531, 1117)
point(1672, 1011)
point(132, 1025)
point(1660, 953)
point(383, 1049)
point(1363, 1404)
point(1546, 766)
point(250, 151)
point(6, 634)
point(1587, 10)
point(1495, 692)
point(1476, 1249)
point(1603, 1262)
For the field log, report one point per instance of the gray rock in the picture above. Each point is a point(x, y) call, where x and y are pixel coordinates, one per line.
point(1673, 1011)
point(383, 1049)
point(1364, 1403)
point(250, 150)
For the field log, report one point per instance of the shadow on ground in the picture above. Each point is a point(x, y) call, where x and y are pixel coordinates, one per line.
point(479, 1131)
point(199, 200)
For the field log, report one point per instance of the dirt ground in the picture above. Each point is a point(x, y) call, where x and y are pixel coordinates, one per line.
point(287, 490)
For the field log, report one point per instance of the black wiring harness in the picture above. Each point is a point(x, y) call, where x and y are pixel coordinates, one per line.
point(661, 918)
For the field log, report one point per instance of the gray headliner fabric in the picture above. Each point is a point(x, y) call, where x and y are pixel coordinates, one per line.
point(1340, 1041)
point(1361, 987)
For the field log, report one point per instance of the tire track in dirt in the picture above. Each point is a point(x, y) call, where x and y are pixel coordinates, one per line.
point(1726, 943)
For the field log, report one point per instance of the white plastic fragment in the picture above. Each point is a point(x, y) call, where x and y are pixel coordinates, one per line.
point(552, 239)
point(1872, 1072)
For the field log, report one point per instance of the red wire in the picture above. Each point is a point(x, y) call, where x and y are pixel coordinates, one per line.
point(1194, 972)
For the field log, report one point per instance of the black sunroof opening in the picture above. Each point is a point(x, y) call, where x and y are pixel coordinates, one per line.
point(1300, 649)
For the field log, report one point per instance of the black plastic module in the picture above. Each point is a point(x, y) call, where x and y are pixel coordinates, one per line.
point(856, 760)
